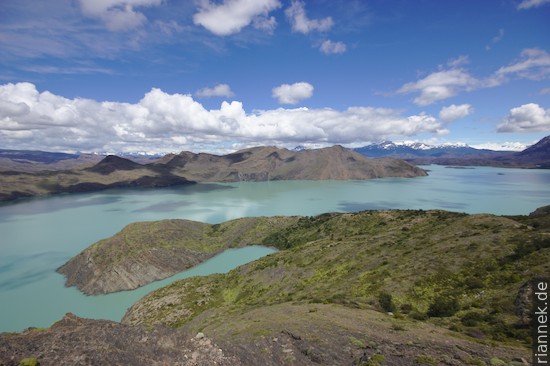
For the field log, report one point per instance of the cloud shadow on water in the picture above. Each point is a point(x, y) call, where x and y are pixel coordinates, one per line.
point(166, 206)
point(19, 271)
point(367, 206)
point(442, 204)
point(42, 205)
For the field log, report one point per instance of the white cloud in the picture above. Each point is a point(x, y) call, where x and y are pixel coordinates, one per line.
point(534, 64)
point(457, 62)
point(296, 13)
point(265, 24)
point(292, 93)
point(496, 39)
point(231, 16)
point(454, 112)
point(545, 91)
point(527, 4)
point(118, 15)
point(526, 118)
point(452, 79)
point(328, 47)
point(440, 85)
point(220, 90)
point(162, 122)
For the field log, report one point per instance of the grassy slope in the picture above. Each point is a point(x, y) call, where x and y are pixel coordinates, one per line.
point(353, 261)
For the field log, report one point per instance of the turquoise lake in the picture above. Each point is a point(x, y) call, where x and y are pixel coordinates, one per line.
point(39, 235)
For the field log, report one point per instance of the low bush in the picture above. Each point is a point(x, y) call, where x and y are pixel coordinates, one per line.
point(443, 306)
point(386, 302)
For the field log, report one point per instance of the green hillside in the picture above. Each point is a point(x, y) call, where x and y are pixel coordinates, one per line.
point(457, 272)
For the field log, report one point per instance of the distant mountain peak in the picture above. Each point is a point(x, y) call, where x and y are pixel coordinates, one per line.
point(540, 148)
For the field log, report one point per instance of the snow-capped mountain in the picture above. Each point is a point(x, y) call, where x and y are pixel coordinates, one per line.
point(408, 149)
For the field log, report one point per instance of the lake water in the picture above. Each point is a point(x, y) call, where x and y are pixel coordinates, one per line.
point(39, 235)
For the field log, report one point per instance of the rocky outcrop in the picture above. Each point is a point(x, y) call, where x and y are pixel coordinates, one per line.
point(77, 341)
point(148, 251)
point(288, 334)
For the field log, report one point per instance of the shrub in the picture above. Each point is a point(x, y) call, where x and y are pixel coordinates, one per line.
point(386, 302)
point(406, 308)
point(473, 283)
point(472, 318)
point(29, 362)
point(443, 306)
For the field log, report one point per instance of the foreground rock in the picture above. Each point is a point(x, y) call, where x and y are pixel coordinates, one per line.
point(75, 341)
point(284, 334)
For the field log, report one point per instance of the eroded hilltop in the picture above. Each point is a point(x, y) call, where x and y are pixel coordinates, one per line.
point(456, 286)
point(255, 164)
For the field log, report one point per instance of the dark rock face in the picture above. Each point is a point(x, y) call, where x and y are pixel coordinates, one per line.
point(77, 341)
point(524, 303)
point(541, 211)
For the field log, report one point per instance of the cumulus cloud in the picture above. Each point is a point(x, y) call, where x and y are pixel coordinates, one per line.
point(220, 90)
point(329, 47)
point(118, 15)
point(454, 112)
point(231, 16)
point(162, 122)
point(527, 4)
point(533, 64)
point(296, 13)
point(452, 78)
point(526, 118)
point(440, 85)
point(292, 93)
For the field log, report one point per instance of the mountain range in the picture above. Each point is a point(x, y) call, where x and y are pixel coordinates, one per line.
point(535, 156)
point(254, 164)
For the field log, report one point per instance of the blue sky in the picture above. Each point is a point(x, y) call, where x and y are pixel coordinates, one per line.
point(160, 76)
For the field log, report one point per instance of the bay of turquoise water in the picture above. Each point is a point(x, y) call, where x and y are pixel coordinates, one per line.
point(39, 235)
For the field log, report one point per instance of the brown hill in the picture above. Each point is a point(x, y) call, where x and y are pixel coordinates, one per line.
point(271, 163)
point(113, 163)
